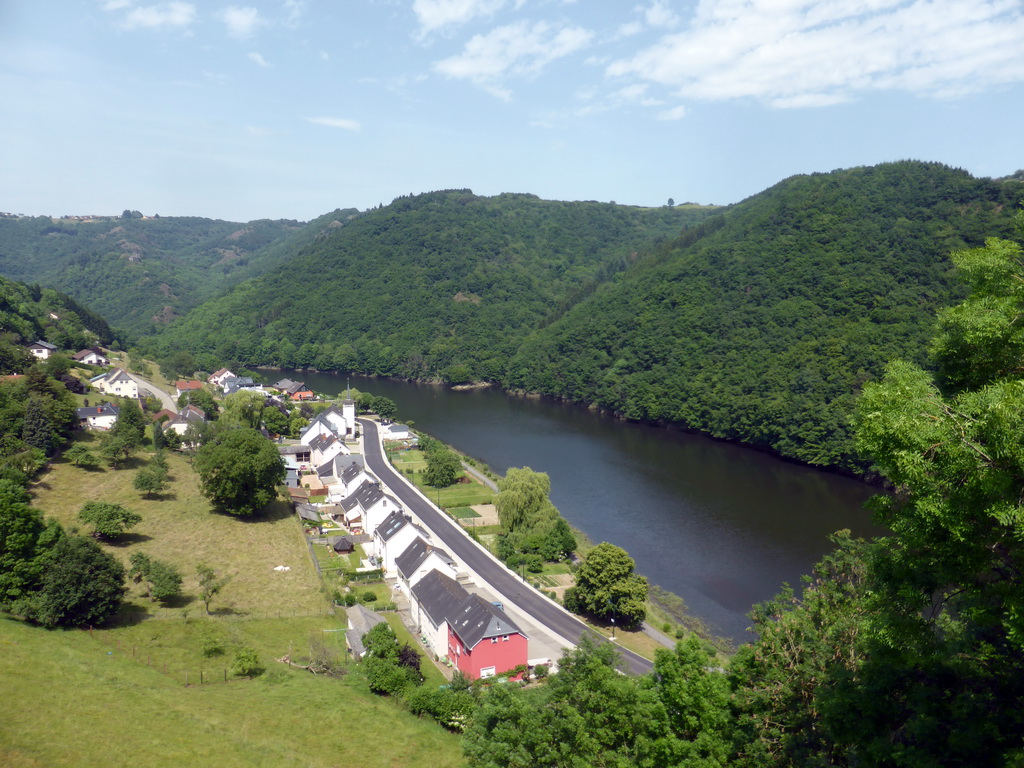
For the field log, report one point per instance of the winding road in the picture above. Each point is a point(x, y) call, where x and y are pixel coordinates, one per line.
point(544, 612)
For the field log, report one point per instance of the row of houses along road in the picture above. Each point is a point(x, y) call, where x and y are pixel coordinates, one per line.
point(519, 598)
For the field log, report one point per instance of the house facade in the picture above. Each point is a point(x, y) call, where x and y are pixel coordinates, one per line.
point(483, 641)
point(97, 416)
point(41, 350)
point(116, 382)
point(91, 356)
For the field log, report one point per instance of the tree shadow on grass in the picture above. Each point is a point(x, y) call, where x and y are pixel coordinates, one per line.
point(274, 511)
point(129, 615)
point(127, 539)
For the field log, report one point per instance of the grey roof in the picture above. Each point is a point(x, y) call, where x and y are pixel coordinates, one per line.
point(476, 619)
point(43, 344)
point(189, 414)
point(414, 555)
point(439, 596)
point(361, 620)
point(320, 442)
point(291, 450)
point(97, 410)
point(308, 512)
point(283, 384)
point(351, 471)
point(391, 525)
point(341, 543)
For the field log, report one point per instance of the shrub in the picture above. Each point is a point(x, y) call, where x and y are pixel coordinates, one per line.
point(540, 671)
point(247, 663)
point(666, 627)
point(369, 596)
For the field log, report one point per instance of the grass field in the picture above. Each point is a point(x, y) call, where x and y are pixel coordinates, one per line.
point(117, 696)
point(463, 494)
point(83, 703)
point(180, 528)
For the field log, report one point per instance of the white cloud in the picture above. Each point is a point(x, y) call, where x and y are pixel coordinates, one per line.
point(516, 49)
point(801, 53)
point(241, 22)
point(676, 113)
point(658, 14)
point(335, 122)
point(115, 5)
point(172, 14)
point(258, 58)
point(438, 14)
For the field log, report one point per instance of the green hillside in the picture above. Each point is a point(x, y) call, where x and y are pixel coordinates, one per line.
point(29, 313)
point(441, 284)
point(762, 325)
point(141, 273)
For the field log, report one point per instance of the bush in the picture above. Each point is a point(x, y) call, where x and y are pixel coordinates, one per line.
point(212, 644)
point(540, 671)
point(350, 599)
point(451, 708)
point(369, 596)
point(247, 663)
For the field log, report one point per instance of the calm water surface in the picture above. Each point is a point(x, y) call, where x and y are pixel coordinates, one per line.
point(719, 525)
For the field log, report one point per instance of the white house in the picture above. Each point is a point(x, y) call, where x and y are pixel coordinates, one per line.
point(91, 356)
point(392, 537)
point(350, 479)
point(190, 414)
point(432, 600)
point(98, 416)
point(41, 350)
point(116, 382)
point(419, 559)
point(217, 377)
point(341, 424)
point(324, 448)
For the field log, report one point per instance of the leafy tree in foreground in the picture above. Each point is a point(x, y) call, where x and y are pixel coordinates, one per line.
point(443, 467)
point(81, 456)
point(108, 520)
point(210, 584)
point(117, 448)
point(239, 471)
point(23, 543)
point(151, 479)
point(607, 588)
point(163, 581)
point(81, 586)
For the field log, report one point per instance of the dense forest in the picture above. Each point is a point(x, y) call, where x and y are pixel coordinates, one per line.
point(141, 272)
point(444, 284)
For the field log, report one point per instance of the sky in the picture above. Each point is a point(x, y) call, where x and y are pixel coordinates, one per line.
point(289, 109)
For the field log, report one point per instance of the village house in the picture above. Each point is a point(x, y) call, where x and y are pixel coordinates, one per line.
point(116, 382)
point(41, 350)
point(217, 377)
point(349, 479)
point(392, 537)
point(483, 641)
point(419, 559)
point(190, 414)
point(323, 449)
point(186, 385)
point(91, 356)
point(97, 416)
point(360, 621)
point(475, 635)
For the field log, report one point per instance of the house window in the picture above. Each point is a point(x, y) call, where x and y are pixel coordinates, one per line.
point(504, 639)
point(494, 639)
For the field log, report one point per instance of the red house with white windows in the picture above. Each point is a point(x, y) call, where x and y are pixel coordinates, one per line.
point(483, 641)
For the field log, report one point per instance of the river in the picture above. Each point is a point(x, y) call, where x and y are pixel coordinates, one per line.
point(720, 525)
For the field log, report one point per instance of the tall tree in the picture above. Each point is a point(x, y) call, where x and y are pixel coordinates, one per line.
point(239, 471)
point(37, 431)
point(210, 584)
point(607, 588)
point(108, 520)
point(81, 586)
point(162, 580)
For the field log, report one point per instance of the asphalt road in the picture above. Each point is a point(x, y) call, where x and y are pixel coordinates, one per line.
point(499, 579)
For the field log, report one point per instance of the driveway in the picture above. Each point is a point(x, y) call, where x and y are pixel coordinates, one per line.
point(167, 400)
point(494, 575)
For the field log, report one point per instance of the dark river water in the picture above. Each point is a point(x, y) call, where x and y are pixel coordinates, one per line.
point(719, 525)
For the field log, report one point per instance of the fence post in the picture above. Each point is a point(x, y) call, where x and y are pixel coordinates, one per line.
point(186, 678)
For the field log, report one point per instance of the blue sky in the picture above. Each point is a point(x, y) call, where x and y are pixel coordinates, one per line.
point(292, 108)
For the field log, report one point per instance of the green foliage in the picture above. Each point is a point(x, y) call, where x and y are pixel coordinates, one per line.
point(210, 584)
point(201, 399)
point(451, 708)
point(243, 408)
point(246, 663)
point(163, 581)
point(762, 324)
point(466, 278)
point(151, 479)
point(116, 448)
point(532, 529)
point(81, 586)
point(21, 554)
point(108, 520)
point(37, 431)
point(239, 470)
point(79, 455)
point(607, 588)
point(131, 423)
point(384, 407)
point(443, 468)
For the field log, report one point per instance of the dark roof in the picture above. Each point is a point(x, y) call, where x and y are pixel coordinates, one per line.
point(362, 620)
point(321, 442)
point(476, 619)
point(439, 596)
point(308, 512)
point(341, 543)
point(351, 472)
point(392, 524)
point(43, 344)
point(97, 410)
point(414, 555)
point(290, 450)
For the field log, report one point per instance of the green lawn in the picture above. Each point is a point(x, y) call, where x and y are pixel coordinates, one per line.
point(83, 702)
point(463, 513)
point(459, 495)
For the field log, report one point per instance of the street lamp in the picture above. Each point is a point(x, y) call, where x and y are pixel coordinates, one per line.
point(613, 627)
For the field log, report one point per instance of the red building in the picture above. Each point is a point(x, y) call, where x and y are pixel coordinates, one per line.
point(483, 641)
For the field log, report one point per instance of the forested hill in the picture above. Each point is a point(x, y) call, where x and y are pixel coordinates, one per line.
point(444, 284)
point(142, 272)
point(762, 326)
point(29, 313)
